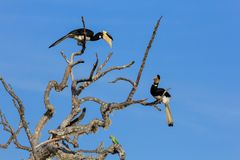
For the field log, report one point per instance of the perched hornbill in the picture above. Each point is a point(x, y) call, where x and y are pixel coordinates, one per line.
point(164, 96)
point(78, 34)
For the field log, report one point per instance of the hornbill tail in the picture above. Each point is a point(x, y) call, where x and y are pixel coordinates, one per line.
point(58, 41)
point(169, 115)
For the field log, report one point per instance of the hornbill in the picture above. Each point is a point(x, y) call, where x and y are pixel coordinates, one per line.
point(78, 34)
point(164, 96)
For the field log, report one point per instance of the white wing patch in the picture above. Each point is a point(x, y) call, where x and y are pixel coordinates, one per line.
point(164, 99)
point(81, 38)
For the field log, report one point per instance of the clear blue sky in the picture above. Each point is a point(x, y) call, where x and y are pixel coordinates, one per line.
point(196, 52)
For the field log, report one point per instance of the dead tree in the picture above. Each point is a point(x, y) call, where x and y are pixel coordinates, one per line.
point(69, 130)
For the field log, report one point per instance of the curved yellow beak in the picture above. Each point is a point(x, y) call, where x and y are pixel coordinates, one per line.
point(107, 38)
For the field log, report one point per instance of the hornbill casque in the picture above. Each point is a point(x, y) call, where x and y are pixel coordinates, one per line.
point(164, 96)
point(78, 34)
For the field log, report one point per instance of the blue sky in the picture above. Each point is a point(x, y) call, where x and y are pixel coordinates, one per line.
point(196, 52)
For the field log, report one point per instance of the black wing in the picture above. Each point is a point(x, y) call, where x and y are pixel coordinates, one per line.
point(160, 91)
point(77, 32)
point(73, 33)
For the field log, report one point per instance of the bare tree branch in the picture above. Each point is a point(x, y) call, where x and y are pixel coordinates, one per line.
point(103, 153)
point(70, 129)
point(85, 34)
point(100, 74)
point(83, 44)
point(99, 149)
point(153, 104)
point(19, 105)
point(144, 61)
point(79, 130)
point(65, 57)
point(8, 128)
point(104, 63)
point(91, 73)
point(64, 153)
point(76, 63)
point(79, 118)
point(113, 149)
point(50, 109)
point(123, 79)
point(92, 127)
point(115, 68)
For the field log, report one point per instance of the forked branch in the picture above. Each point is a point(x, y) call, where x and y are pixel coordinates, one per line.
point(20, 107)
point(13, 135)
point(70, 129)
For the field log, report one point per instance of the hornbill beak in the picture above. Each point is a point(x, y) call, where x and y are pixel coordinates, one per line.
point(156, 79)
point(108, 38)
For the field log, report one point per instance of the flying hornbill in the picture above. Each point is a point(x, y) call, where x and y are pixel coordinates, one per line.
point(78, 34)
point(164, 96)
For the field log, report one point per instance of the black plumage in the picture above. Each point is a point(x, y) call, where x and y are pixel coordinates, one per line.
point(155, 91)
point(78, 34)
point(163, 96)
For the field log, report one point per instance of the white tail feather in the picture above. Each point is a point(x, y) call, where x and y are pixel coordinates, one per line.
point(168, 115)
